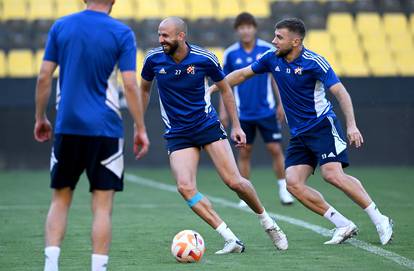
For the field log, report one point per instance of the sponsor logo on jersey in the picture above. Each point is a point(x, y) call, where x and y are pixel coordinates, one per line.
point(162, 71)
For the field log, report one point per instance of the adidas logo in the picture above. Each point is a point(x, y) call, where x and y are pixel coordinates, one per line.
point(277, 69)
point(331, 155)
point(162, 71)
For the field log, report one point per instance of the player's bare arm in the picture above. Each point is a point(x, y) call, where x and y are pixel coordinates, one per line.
point(237, 133)
point(43, 128)
point(135, 106)
point(235, 78)
point(280, 113)
point(345, 102)
point(145, 93)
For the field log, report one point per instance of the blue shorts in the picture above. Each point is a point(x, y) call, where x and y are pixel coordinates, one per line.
point(101, 157)
point(197, 139)
point(321, 144)
point(269, 128)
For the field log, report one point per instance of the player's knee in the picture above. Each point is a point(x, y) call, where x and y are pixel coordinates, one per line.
point(186, 189)
point(236, 183)
point(293, 185)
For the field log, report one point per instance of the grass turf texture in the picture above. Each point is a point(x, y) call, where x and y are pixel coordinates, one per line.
point(145, 221)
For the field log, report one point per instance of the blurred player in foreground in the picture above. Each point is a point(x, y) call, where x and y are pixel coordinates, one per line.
point(88, 46)
point(191, 123)
point(303, 77)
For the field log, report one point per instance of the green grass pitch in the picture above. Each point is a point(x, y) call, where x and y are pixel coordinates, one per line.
point(146, 219)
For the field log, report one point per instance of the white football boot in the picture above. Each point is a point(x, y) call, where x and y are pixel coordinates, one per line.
point(232, 246)
point(342, 234)
point(285, 197)
point(385, 231)
point(278, 237)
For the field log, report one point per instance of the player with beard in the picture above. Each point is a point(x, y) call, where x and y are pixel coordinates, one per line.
point(181, 70)
point(303, 77)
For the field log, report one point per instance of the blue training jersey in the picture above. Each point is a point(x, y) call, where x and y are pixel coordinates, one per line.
point(302, 85)
point(89, 46)
point(182, 88)
point(254, 97)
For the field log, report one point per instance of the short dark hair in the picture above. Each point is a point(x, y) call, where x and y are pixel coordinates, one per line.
point(294, 25)
point(245, 18)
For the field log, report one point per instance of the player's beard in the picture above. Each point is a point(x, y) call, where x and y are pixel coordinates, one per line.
point(173, 46)
point(283, 53)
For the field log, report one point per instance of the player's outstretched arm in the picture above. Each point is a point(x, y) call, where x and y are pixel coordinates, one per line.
point(345, 102)
point(237, 134)
point(235, 78)
point(135, 106)
point(43, 128)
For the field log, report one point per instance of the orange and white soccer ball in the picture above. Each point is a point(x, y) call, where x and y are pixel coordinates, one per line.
point(188, 246)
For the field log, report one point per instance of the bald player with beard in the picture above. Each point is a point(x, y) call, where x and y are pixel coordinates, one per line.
point(191, 124)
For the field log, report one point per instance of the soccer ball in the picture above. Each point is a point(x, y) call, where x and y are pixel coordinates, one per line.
point(188, 246)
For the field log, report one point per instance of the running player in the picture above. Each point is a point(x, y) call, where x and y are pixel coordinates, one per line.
point(255, 102)
point(181, 70)
point(88, 46)
point(303, 78)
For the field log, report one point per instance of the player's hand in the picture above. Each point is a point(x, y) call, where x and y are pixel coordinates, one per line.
point(141, 143)
point(354, 136)
point(239, 137)
point(280, 113)
point(42, 130)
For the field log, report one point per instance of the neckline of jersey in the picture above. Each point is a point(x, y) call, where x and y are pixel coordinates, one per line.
point(90, 11)
point(186, 56)
point(296, 59)
point(254, 47)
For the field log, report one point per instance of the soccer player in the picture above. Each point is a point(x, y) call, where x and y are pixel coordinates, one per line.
point(89, 46)
point(303, 78)
point(181, 70)
point(255, 102)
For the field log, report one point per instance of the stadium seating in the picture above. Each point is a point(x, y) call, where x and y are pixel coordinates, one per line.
point(20, 63)
point(3, 67)
point(201, 9)
point(336, 29)
point(68, 7)
point(218, 52)
point(41, 10)
point(15, 10)
point(124, 9)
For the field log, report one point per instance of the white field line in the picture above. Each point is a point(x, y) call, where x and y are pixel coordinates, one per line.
point(400, 260)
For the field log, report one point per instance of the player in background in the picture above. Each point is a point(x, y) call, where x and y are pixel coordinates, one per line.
point(89, 47)
point(255, 102)
point(181, 70)
point(303, 78)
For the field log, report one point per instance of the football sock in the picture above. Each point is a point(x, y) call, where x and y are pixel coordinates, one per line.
point(51, 258)
point(225, 232)
point(265, 220)
point(99, 262)
point(282, 184)
point(336, 218)
point(374, 213)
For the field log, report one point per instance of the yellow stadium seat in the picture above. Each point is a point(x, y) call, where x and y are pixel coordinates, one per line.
point(178, 8)
point(259, 8)
point(41, 9)
point(218, 52)
point(369, 23)
point(347, 43)
point(412, 23)
point(353, 63)
point(374, 44)
point(382, 64)
point(319, 41)
point(140, 62)
point(124, 9)
point(38, 59)
point(20, 63)
point(149, 9)
point(66, 7)
point(227, 9)
point(401, 43)
point(3, 69)
point(201, 9)
point(395, 24)
point(405, 63)
point(339, 24)
point(15, 10)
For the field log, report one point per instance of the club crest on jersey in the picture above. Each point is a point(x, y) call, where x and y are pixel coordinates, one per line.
point(191, 69)
point(298, 70)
